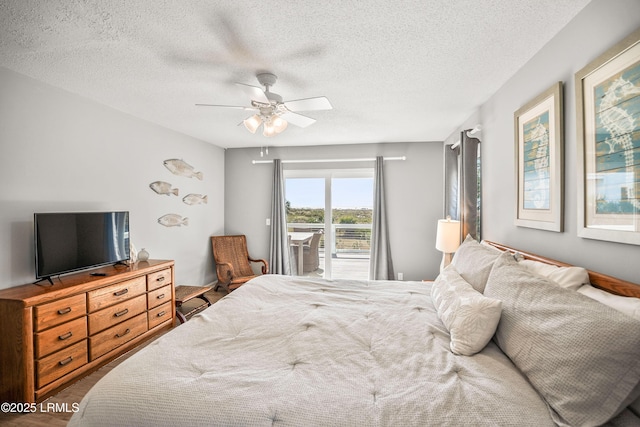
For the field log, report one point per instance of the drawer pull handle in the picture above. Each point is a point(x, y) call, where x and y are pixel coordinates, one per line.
point(120, 293)
point(160, 279)
point(121, 313)
point(65, 361)
point(65, 336)
point(160, 296)
point(64, 310)
point(123, 334)
point(162, 313)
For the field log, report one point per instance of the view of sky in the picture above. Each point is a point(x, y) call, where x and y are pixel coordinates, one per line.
point(347, 192)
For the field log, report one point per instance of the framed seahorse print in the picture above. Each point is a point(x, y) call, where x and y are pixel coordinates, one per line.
point(539, 152)
point(608, 120)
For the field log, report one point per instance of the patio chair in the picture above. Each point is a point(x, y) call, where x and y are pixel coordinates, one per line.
point(311, 257)
point(232, 261)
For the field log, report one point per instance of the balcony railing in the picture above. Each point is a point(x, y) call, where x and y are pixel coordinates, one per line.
point(347, 238)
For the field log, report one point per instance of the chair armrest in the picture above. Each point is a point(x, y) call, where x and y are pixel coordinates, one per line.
point(265, 267)
point(221, 267)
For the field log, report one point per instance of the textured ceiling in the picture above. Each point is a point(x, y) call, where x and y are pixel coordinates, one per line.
point(395, 71)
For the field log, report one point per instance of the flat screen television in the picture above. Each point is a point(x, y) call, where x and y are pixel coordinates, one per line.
point(72, 241)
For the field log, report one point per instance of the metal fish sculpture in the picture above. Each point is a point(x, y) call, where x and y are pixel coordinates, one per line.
point(173, 220)
point(194, 199)
point(182, 168)
point(162, 187)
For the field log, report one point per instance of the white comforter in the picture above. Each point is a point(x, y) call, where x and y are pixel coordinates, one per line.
point(302, 352)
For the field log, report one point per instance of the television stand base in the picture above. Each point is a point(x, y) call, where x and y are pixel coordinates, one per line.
point(48, 278)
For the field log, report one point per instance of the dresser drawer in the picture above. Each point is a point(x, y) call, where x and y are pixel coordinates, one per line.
point(59, 337)
point(159, 296)
point(116, 293)
point(58, 364)
point(158, 279)
point(115, 336)
point(160, 314)
point(60, 311)
point(115, 314)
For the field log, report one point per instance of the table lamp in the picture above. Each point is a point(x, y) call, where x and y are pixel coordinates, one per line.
point(447, 239)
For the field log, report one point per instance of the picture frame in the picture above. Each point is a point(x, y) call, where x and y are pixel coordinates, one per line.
point(608, 138)
point(539, 157)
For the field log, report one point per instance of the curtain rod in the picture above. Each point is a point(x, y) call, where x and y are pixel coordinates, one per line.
point(476, 129)
point(367, 159)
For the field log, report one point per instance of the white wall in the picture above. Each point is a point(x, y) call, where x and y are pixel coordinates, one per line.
point(598, 27)
point(413, 189)
point(61, 152)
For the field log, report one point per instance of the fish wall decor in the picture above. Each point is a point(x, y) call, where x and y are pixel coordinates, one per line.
point(162, 187)
point(173, 220)
point(194, 199)
point(182, 168)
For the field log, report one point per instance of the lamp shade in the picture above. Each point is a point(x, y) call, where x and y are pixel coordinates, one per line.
point(252, 123)
point(448, 235)
point(279, 124)
point(268, 129)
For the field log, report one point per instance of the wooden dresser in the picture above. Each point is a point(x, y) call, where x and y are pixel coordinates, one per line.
point(52, 335)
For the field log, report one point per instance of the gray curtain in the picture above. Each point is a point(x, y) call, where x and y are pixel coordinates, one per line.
point(279, 248)
point(451, 196)
point(463, 186)
point(380, 265)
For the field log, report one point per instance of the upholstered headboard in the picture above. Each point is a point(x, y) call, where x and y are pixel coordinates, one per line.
point(607, 283)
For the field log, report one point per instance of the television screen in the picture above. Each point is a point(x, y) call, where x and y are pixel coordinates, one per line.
point(66, 242)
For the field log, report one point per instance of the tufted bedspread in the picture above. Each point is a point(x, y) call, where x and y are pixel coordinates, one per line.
point(290, 351)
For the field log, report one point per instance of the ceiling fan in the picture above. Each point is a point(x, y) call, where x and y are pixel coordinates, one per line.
point(271, 111)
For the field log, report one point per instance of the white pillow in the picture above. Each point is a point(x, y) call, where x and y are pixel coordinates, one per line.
point(577, 279)
point(627, 305)
point(566, 277)
point(470, 317)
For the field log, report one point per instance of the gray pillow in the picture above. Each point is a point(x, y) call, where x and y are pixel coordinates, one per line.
point(474, 261)
point(583, 357)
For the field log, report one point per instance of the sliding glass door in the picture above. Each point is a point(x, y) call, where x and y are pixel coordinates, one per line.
point(329, 219)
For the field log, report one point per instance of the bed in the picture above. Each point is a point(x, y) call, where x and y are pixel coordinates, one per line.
point(492, 341)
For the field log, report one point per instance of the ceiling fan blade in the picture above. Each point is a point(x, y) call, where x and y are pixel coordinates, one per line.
point(236, 107)
point(239, 53)
point(303, 53)
point(298, 119)
point(309, 104)
point(255, 93)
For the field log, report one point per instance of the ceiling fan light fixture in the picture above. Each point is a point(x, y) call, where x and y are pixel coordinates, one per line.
point(252, 123)
point(268, 130)
point(279, 124)
point(273, 125)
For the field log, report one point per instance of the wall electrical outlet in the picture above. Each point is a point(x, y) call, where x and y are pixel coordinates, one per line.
point(400, 276)
point(268, 221)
